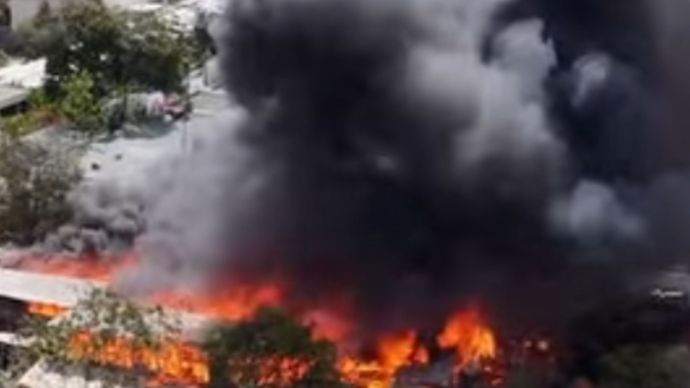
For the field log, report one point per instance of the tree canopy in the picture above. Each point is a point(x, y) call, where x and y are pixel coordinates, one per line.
point(34, 182)
point(273, 351)
point(119, 49)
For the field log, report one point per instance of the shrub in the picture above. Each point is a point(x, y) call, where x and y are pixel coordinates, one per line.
point(118, 48)
point(34, 182)
point(19, 124)
point(253, 354)
point(80, 105)
point(41, 112)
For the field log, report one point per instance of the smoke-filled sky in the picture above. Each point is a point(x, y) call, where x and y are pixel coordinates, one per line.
point(412, 156)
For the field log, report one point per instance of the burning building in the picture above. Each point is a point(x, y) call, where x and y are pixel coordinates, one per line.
point(408, 158)
point(415, 176)
point(57, 295)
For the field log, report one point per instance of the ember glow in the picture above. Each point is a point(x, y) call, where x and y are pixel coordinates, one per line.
point(466, 334)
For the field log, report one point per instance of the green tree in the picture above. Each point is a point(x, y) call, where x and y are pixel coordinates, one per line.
point(155, 55)
point(271, 350)
point(135, 51)
point(90, 36)
point(42, 112)
point(34, 182)
point(80, 104)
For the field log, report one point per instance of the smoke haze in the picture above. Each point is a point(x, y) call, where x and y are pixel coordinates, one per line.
point(413, 156)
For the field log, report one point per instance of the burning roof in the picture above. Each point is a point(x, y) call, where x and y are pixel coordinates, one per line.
point(466, 335)
point(417, 168)
point(394, 163)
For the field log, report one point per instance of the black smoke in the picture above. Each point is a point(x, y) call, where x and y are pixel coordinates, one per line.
point(618, 323)
point(419, 155)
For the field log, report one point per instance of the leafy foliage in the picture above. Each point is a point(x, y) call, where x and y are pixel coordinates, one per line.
point(41, 112)
point(80, 105)
point(95, 53)
point(117, 48)
point(34, 182)
point(272, 350)
point(19, 124)
point(155, 55)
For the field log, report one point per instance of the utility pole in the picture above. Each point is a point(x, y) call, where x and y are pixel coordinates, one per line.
point(187, 100)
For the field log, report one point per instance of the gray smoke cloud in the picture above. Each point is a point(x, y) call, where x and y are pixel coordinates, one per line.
point(414, 155)
point(123, 179)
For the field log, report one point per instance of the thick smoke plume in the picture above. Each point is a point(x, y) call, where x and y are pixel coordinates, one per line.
point(413, 156)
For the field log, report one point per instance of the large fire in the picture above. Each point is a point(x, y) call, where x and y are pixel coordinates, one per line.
point(466, 334)
point(394, 351)
point(174, 360)
point(472, 340)
point(230, 304)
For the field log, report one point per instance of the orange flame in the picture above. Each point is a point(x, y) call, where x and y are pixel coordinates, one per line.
point(45, 309)
point(465, 332)
point(472, 339)
point(421, 356)
point(231, 304)
point(272, 371)
point(175, 361)
point(178, 361)
point(86, 267)
point(394, 351)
